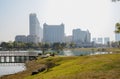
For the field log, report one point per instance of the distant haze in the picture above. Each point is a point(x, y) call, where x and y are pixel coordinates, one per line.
point(98, 16)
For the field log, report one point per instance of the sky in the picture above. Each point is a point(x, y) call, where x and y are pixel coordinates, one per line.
point(97, 16)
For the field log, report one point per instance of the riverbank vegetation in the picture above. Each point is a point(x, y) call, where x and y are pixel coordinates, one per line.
point(105, 66)
point(113, 50)
point(8, 46)
point(21, 46)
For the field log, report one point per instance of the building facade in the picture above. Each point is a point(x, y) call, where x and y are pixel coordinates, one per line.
point(117, 37)
point(21, 38)
point(94, 40)
point(81, 38)
point(106, 40)
point(32, 39)
point(27, 39)
point(35, 31)
point(100, 40)
point(68, 39)
point(53, 33)
point(34, 27)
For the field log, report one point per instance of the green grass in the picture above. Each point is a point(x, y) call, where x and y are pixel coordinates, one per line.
point(84, 67)
point(114, 50)
point(76, 67)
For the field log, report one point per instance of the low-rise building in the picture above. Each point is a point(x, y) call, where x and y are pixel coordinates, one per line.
point(21, 38)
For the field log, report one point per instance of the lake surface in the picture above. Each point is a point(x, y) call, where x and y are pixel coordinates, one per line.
point(11, 68)
point(79, 53)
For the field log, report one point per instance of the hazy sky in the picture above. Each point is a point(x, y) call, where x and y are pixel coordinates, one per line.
point(98, 16)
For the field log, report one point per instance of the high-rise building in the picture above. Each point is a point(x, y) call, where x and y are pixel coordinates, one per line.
point(53, 33)
point(100, 41)
point(35, 31)
point(94, 40)
point(34, 27)
point(106, 40)
point(80, 36)
point(76, 35)
point(117, 37)
point(88, 36)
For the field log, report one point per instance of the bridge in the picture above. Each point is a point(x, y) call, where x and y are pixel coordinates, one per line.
point(17, 56)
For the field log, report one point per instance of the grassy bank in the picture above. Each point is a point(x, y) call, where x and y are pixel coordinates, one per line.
point(77, 67)
point(114, 50)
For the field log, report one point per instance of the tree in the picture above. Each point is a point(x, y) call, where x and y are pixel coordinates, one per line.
point(44, 47)
point(57, 47)
point(72, 45)
point(117, 31)
point(63, 45)
point(117, 26)
point(3, 45)
point(115, 0)
point(10, 45)
point(39, 45)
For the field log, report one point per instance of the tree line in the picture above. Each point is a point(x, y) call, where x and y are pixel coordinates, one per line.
point(6, 46)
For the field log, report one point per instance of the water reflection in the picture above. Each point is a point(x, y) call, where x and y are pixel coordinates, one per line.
point(96, 53)
point(11, 68)
point(80, 53)
point(68, 53)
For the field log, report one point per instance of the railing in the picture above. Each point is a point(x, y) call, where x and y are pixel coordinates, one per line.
point(16, 56)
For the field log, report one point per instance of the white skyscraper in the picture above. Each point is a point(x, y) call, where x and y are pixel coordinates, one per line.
point(80, 36)
point(53, 33)
point(34, 27)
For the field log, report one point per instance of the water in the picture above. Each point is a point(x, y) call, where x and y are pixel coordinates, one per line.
point(11, 68)
point(80, 53)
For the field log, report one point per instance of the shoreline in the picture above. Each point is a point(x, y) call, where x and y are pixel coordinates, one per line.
point(34, 65)
point(114, 50)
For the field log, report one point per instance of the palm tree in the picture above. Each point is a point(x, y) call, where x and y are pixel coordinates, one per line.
point(117, 28)
point(117, 31)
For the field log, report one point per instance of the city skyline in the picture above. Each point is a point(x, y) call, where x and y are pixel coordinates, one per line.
point(52, 34)
point(99, 17)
